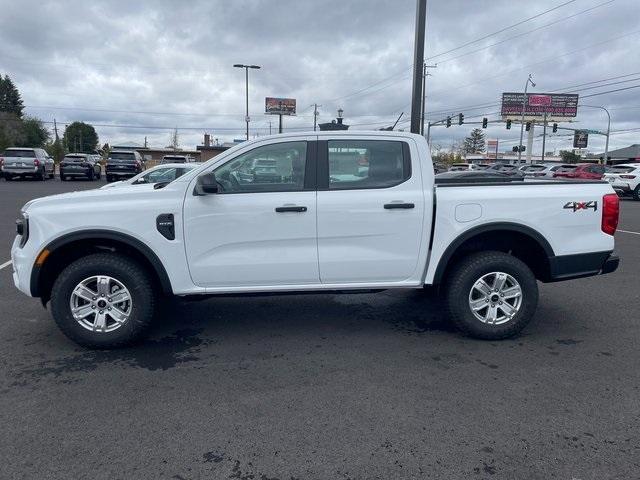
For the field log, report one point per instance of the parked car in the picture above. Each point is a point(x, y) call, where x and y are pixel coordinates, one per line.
point(506, 168)
point(26, 162)
point(475, 176)
point(157, 174)
point(177, 159)
point(122, 164)
point(439, 168)
point(625, 179)
point(581, 171)
point(75, 165)
point(456, 167)
point(102, 257)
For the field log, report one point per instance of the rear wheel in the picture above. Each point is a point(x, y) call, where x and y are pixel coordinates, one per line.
point(103, 301)
point(41, 175)
point(8, 177)
point(491, 295)
point(636, 193)
point(62, 177)
point(90, 174)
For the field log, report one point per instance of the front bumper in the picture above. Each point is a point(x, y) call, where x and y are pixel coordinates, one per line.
point(568, 267)
point(21, 264)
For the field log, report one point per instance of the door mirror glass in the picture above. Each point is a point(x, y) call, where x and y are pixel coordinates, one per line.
point(206, 184)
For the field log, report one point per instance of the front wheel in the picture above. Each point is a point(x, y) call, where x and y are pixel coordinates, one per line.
point(491, 295)
point(103, 301)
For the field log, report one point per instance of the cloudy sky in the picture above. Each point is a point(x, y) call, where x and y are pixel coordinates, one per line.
point(141, 68)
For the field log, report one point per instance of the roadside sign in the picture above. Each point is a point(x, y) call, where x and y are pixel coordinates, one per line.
point(557, 106)
point(580, 139)
point(280, 106)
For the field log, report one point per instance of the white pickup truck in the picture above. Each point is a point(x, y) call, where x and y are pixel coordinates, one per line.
point(307, 212)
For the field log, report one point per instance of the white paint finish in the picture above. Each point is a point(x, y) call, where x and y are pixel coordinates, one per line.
point(237, 240)
point(359, 241)
point(468, 212)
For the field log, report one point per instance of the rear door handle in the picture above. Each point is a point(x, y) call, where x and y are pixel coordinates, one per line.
point(393, 206)
point(292, 208)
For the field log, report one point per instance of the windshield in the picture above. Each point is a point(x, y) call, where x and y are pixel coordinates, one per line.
point(19, 153)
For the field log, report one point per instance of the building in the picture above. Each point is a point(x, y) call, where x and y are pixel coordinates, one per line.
point(630, 154)
point(207, 150)
point(336, 124)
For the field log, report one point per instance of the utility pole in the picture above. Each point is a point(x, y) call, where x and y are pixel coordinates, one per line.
point(425, 74)
point(145, 141)
point(269, 127)
point(246, 80)
point(524, 106)
point(418, 63)
point(530, 142)
point(315, 115)
point(544, 135)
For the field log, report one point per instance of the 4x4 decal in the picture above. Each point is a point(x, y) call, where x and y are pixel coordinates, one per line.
point(575, 206)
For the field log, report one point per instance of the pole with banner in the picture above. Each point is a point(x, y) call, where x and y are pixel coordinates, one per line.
point(544, 135)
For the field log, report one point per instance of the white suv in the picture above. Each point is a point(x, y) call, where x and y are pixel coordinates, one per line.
point(625, 179)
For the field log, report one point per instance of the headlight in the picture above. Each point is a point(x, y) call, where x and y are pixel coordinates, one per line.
point(22, 229)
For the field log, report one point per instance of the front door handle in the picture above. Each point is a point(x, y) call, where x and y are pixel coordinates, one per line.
point(291, 208)
point(393, 206)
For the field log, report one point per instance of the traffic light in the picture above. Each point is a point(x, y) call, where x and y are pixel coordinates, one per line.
point(555, 127)
point(460, 119)
point(527, 127)
point(448, 122)
point(508, 124)
point(521, 148)
point(485, 122)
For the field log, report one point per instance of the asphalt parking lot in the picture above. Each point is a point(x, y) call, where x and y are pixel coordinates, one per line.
point(369, 386)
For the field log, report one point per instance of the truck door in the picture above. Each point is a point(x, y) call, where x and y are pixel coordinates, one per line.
point(370, 210)
point(260, 228)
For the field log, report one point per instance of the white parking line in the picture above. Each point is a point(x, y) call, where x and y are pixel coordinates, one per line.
point(623, 231)
point(5, 264)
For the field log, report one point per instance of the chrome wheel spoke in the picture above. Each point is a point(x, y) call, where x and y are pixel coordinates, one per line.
point(120, 296)
point(478, 304)
point(483, 287)
point(507, 309)
point(83, 312)
point(85, 293)
point(103, 286)
point(492, 314)
point(100, 323)
point(499, 282)
point(118, 315)
point(512, 292)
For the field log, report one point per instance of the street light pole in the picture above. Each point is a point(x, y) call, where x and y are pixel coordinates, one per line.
point(246, 80)
point(524, 105)
point(425, 74)
point(606, 144)
point(418, 62)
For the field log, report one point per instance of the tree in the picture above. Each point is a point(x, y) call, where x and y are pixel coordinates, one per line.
point(174, 140)
point(569, 157)
point(10, 130)
point(80, 137)
point(34, 133)
point(474, 143)
point(10, 99)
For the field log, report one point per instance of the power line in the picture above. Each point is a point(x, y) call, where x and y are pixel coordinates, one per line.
point(527, 32)
point(611, 91)
point(500, 31)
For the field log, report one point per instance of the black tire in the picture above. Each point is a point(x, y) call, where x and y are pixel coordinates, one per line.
point(99, 175)
point(62, 177)
point(8, 177)
point(471, 269)
point(636, 193)
point(52, 175)
point(123, 269)
point(109, 179)
point(90, 175)
point(41, 175)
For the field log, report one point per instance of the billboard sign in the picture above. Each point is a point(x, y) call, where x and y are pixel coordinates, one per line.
point(580, 139)
point(280, 106)
point(557, 106)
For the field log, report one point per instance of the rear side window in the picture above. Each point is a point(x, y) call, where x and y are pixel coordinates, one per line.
point(621, 169)
point(19, 153)
point(356, 164)
point(535, 167)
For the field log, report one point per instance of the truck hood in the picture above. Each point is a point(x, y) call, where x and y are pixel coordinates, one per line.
point(86, 195)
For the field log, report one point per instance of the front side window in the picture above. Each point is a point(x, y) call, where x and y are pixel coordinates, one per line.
point(278, 167)
point(160, 175)
point(355, 164)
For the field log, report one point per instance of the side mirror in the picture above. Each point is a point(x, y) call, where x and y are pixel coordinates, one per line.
point(206, 184)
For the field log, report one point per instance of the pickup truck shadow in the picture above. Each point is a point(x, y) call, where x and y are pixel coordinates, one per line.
point(411, 312)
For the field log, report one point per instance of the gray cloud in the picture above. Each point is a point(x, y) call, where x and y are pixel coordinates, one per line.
point(171, 58)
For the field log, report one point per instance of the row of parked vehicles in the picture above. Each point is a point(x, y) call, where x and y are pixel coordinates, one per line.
point(624, 178)
point(37, 164)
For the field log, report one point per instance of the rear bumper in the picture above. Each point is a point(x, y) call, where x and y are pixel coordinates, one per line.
point(11, 170)
point(567, 267)
point(71, 171)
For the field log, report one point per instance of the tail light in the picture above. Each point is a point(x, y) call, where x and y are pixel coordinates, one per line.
point(36, 162)
point(610, 213)
point(630, 177)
